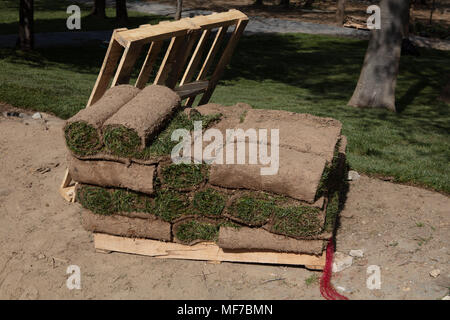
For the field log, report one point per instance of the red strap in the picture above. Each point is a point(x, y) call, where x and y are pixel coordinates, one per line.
point(326, 288)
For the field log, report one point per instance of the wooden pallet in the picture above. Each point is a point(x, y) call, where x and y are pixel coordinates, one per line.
point(207, 251)
point(188, 41)
point(188, 38)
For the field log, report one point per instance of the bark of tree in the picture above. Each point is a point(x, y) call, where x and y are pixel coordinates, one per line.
point(377, 81)
point(445, 94)
point(121, 12)
point(99, 9)
point(340, 12)
point(284, 3)
point(308, 4)
point(179, 9)
point(433, 7)
point(26, 25)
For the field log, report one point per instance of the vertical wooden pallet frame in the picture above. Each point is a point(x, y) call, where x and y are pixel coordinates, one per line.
point(185, 35)
point(187, 51)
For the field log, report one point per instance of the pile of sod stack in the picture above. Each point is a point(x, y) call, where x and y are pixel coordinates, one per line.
point(120, 151)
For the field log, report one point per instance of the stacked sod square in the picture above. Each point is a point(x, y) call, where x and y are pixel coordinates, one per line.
point(119, 153)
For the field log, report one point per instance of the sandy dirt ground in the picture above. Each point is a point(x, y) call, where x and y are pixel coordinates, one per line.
point(404, 230)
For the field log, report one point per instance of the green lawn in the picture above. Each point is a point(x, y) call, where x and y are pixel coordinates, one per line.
point(51, 16)
point(301, 73)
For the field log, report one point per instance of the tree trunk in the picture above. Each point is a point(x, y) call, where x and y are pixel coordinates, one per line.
point(433, 7)
point(99, 9)
point(377, 81)
point(340, 12)
point(179, 9)
point(406, 22)
point(121, 12)
point(258, 3)
point(308, 4)
point(26, 25)
point(445, 94)
point(284, 3)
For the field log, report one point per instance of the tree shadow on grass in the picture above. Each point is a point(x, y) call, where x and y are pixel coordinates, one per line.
point(326, 68)
point(51, 16)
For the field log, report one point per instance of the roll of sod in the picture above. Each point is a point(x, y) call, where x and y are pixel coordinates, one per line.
point(259, 239)
point(140, 120)
point(83, 130)
point(151, 228)
point(134, 177)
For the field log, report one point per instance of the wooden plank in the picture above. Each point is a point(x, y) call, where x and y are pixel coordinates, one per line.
point(168, 29)
point(66, 190)
point(193, 38)
point(149, 62)
point(126, 64)
point(68, 193)
point(158, 32)
point(168, 65)
point(196, 58)
point(209, 59)
point(212, 52)
point(112, 56)
point(191, 89)
point(208, 251)
point(66, 180)
point(221, 19)
point(182, 53)
point(224, 60)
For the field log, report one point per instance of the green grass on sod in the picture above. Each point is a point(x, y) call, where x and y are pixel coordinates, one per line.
point(51, 16)
point(121, 141)
point(167, 205)
point(82, 138)
point(298, 221)
point(252, 210)
point(109, 201)
point(209, 202)
point(196, 230)
point(199, 230)
point(294, 72)
point(256, 209)
point(181, 176)
point(170, 205)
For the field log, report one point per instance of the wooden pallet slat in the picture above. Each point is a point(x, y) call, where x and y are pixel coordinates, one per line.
point(125, 46)
point(158, 32)
point(126, 64)
point(208, 251)
point(216, 20)
point(191, 89)
point(168, 64)
point(226, 56)
point(192, 40)
point(112, 56)
point(67, 190)
point(209, 59)
point(212, 52)
point(196, 57)
point(148, 64)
